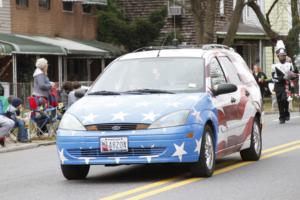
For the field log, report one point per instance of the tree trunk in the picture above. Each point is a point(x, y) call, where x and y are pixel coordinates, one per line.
point(198, 10)
point(234, 23)
point(295, 15)
point(209, 23)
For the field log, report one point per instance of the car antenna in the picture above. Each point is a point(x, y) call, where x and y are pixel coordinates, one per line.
point(163, 43)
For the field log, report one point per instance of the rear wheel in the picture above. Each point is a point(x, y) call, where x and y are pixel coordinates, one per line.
point(206, 164)
point(254, 152)
point(72, 172)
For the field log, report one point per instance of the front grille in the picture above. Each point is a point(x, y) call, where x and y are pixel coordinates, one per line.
point(131, 152)
point(116, 127)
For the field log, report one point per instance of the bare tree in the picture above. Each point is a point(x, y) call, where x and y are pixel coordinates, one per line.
point(234, 24)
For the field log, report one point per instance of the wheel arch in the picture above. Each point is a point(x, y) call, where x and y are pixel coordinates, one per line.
point(214, 129)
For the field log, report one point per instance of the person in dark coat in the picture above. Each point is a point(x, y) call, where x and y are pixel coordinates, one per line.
point(261, 79)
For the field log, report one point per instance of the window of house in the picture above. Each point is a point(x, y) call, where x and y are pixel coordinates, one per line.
point(44, 4)
point(222, 8)
point(68, 6)
point(86, 8)
point(22, 3)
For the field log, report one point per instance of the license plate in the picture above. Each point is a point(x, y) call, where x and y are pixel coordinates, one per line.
point(114, 144)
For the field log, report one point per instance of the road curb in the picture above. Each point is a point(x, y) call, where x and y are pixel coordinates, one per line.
point(18, 146)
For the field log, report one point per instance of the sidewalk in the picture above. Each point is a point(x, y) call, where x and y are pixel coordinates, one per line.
point(16, 146)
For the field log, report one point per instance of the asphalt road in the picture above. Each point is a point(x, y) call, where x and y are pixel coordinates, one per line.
point(35, 174)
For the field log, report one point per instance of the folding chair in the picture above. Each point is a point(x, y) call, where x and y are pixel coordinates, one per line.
point(43, 118)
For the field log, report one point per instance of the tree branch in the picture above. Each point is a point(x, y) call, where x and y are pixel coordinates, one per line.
point(266, 26)
point(270, 10)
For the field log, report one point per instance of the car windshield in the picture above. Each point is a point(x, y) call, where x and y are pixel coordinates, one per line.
point(152, 75)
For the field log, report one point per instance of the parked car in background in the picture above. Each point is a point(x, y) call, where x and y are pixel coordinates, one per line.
point(165, 105)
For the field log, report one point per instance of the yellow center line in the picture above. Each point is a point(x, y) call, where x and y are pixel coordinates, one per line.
point(142, 188)
point(191, 180)
point(281, 146)
point(220, 171)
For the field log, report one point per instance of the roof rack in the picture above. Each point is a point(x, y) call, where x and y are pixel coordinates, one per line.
point(204, 47)
point(216, 46)
point(165, 47)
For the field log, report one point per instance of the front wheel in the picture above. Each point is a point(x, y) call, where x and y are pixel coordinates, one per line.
point(72, 172)
point(206, 164)
point(253, 153)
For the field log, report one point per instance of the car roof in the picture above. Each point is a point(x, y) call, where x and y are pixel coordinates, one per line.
point(198, 53)
point(167, 51)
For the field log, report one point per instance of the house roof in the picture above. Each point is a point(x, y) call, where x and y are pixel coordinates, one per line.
point(245, 31)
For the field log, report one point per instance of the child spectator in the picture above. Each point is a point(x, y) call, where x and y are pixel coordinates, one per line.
point(14, 110)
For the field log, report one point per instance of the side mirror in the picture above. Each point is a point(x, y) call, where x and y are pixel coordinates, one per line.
point(80, 93)
point(224, 89)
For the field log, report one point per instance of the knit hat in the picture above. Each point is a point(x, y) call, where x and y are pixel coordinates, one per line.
point(16, 102)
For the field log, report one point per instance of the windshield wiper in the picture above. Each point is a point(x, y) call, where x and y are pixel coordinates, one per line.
point(152, 91)
point(104, 92)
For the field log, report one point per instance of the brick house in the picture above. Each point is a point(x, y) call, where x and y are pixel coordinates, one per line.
point(62, 31)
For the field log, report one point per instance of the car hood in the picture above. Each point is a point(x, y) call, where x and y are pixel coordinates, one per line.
point(130, 108)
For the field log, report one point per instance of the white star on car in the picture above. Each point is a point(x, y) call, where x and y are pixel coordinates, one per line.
point(86, 159)
point(198, 146)
point(149, 158)
point(119, 116)
point(117, 159)
point(90, 118)
point(179, 151)
point(62, 156)
point(197, 116)
point(150, 116)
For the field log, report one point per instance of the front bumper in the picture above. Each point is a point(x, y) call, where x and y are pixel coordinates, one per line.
point(168, 145)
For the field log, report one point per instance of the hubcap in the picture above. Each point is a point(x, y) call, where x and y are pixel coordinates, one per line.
point(209, 151)
point(256, 138)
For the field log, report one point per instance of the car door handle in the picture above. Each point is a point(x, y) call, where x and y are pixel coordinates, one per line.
point(247, 93)
point(233, 100)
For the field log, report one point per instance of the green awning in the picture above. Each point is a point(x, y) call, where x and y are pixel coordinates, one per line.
point(5, 49)
point(14, 44)
point(97, 2)
point(71, 47)
point(113, 50)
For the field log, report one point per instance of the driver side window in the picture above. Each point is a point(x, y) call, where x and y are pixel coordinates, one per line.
point(216, 73)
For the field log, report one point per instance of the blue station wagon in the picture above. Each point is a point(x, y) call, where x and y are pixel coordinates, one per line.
point(168, 105)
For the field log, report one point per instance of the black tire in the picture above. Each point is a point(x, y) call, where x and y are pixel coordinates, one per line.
point(254, 152)
point(73, 172)
point(205, 167)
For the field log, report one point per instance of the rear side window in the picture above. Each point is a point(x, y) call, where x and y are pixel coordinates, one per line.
point(242, 68)
point(230, 70)
point(216, 73)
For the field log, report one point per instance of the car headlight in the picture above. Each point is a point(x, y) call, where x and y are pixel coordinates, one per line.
point(69, 122)
point(177, 118)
